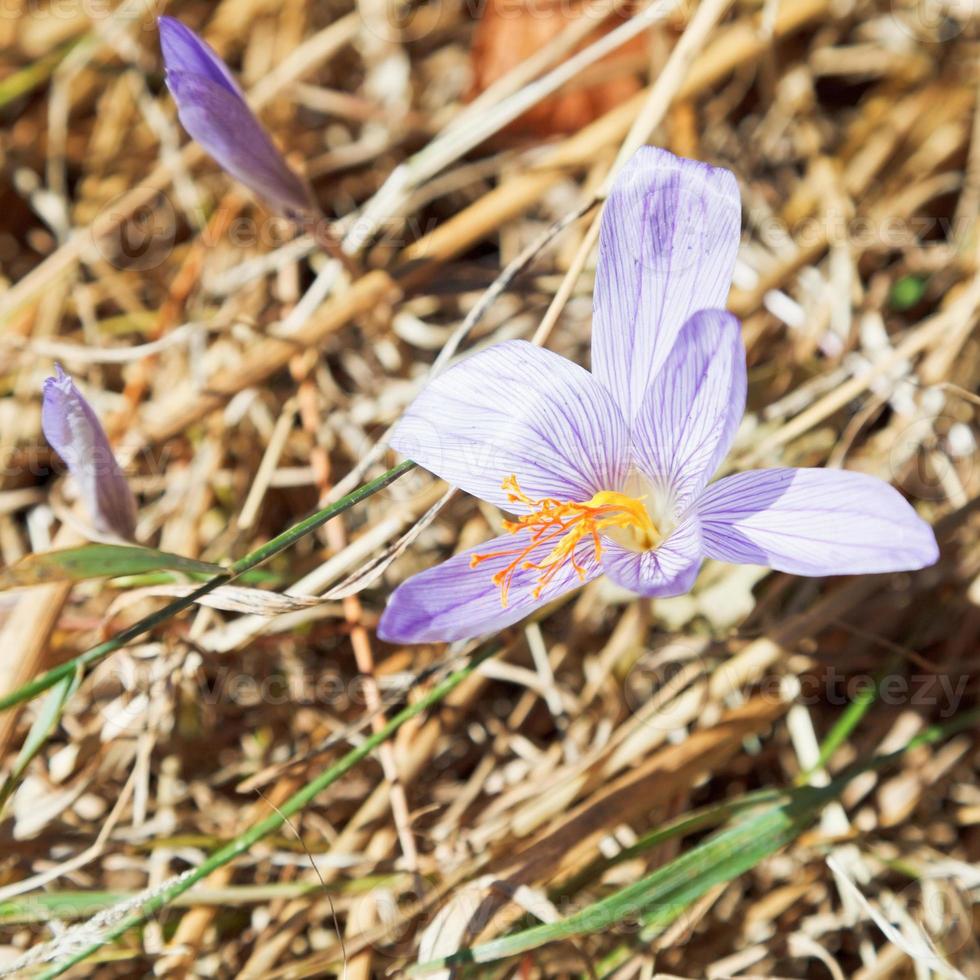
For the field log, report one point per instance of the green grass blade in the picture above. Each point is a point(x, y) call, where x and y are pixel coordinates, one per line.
point(45, 722)
point(25, 80)
point(709, 816)
point(849, 720)
point(285, 540)
point(98, 561)
point(275, 820)
point(660, 897)
point(68, 905)
point(668, 890)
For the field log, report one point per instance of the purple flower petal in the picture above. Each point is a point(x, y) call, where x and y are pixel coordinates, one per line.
point(454, 601)
point(667, 570)
point(185, 53)
point(814, 522)
point(73, 429)
point(670, 231)
point(693, 407)
point(515, 409)
point(213, 110)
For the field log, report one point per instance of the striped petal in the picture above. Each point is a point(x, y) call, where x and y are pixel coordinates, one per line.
point(667, 570)
point(454, 601)
point(670, 231)
point(693, 407)
point(517, 410)
point(814, 522)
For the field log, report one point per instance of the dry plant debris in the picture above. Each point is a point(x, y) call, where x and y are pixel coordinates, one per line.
point(623, 787)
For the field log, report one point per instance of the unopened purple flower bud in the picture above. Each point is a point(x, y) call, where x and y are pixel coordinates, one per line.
point(213, 110)
point(73, 429)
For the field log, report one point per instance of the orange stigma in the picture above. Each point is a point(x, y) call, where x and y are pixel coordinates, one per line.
point(567, 525)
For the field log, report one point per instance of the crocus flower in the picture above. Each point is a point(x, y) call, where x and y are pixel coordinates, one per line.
point(213, 110)
point(608, 472)
point(73, 429)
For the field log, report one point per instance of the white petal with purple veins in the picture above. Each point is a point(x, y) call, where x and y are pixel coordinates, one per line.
point(454, 601)
point(693, 407)
point(670, 231)
point(814, 522)
point(516, 409)
point(668, 570)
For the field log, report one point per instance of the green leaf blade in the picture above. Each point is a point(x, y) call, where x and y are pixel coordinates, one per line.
point(90, 561)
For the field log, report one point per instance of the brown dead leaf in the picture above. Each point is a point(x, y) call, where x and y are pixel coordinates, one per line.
point(512, 30)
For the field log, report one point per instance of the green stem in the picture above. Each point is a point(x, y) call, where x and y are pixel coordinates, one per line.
point(285, 540)
point(278, 817)
point(848, 721)
point(709, 816)
point(660, 897)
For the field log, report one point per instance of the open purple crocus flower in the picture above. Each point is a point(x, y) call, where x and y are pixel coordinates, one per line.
point(75, 433)
point(607, 472)
point(213, 110)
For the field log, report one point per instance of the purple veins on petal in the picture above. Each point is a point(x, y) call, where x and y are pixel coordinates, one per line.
point(670, 232)
point(667, 570)
point(814, 522)
point(457, 600)
point(607, 472)
point(515, 409)
point(213, 110)
point(693, 407)
point(73, 429)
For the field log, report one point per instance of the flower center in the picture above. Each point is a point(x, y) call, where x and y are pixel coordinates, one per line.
point(569, 526)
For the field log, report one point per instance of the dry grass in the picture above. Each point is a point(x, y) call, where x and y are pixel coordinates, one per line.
point(245, 381)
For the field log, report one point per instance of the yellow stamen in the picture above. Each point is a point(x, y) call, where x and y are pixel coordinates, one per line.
point(567, 524)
